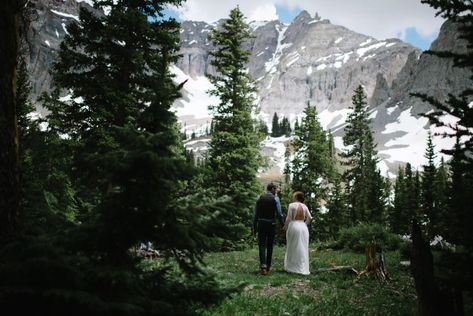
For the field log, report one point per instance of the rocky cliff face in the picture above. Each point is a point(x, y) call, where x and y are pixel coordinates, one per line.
point(47, 30)
point(430, 74)
point(309, 60)
point(399, 130)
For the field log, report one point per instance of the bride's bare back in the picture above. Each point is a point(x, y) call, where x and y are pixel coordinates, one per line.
point(299, 216)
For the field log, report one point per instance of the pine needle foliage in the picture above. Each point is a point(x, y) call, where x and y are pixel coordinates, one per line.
point(364, 181)
point(234, 154)
point(312, 168)
point(119, 141)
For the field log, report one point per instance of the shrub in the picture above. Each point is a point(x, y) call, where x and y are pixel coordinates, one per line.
point(357, 237)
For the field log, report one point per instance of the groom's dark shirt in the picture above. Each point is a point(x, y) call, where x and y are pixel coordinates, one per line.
point(267, 208)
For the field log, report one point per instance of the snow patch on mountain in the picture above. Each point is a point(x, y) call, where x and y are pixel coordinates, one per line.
point(411, 146)
point(271, 65)
point(369, 40)
point(329, 119)
point(64, 28)
point(89, 2)
point(68, 98)
point(257, 24)
point(336, 60)
point(309, 70)
point(278, 145)
point(196, 100)
point(364, 50)
point(66, 15)
point(293, 58)
point(390, 110)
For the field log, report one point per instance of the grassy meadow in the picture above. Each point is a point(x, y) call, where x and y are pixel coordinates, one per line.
point(323, 293)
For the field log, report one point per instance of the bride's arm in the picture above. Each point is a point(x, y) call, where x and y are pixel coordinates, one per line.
point(308, 216)
point(288, 217)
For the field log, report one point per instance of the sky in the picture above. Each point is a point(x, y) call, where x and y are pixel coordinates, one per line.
point(408, 20)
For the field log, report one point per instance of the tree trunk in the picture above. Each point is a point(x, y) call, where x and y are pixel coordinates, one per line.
point(434, 297)
point(423, 272)
point(10, 17)
point(373, 266)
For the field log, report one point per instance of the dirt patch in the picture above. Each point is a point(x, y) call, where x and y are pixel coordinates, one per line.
point(296, 288)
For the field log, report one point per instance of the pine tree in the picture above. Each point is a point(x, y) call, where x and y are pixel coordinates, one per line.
point(397, 217)
point(428, 207)
point(234, 156)
point(331, 144)
point(44, 186)
point(285, 127)
point(287, 166)
point(378, 197)
point(337, 216)
point(10, 15)
point(128, 58)
point(455, 268)
point(441, 193)
point(415, 198)
point(262, 128)
point(459, 202)
point(211, 127)
point(363, 179)
point(460, 12)
point(275, 129)
point(24, 106)
point(124, 143)
point(312, 167)
point(406, 200)
point(412, 194)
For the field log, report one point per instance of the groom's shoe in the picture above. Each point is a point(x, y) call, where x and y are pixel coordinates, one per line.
point(263, 269)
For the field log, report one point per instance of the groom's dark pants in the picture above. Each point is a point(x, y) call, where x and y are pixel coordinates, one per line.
point(265, 242)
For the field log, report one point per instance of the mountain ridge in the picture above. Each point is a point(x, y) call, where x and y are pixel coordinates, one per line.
point(308, 60)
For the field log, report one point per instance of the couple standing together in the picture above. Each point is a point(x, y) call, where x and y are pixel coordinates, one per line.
point(267, 208)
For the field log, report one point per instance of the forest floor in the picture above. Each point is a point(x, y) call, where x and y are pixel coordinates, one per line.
point(320, 293)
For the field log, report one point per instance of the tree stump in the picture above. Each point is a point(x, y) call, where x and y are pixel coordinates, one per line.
point(374, 266)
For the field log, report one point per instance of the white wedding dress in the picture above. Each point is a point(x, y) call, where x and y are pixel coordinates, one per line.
point(296, 259)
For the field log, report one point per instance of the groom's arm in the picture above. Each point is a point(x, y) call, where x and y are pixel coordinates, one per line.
point(279, 210)
point(255, 216)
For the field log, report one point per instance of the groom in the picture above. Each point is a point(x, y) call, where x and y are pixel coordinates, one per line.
point(267, 208)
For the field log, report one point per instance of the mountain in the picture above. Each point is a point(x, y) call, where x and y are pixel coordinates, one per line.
point(46, 32)
point(398, 126)
point(312, 60)
point(309, 60)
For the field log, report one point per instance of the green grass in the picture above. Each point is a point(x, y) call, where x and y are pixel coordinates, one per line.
point(325, 293)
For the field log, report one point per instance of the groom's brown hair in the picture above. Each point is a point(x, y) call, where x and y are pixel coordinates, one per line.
point(271, 186)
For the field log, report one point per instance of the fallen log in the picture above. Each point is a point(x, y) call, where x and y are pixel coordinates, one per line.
point(338, 268)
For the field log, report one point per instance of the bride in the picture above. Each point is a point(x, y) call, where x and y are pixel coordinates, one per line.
point(296, 259)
